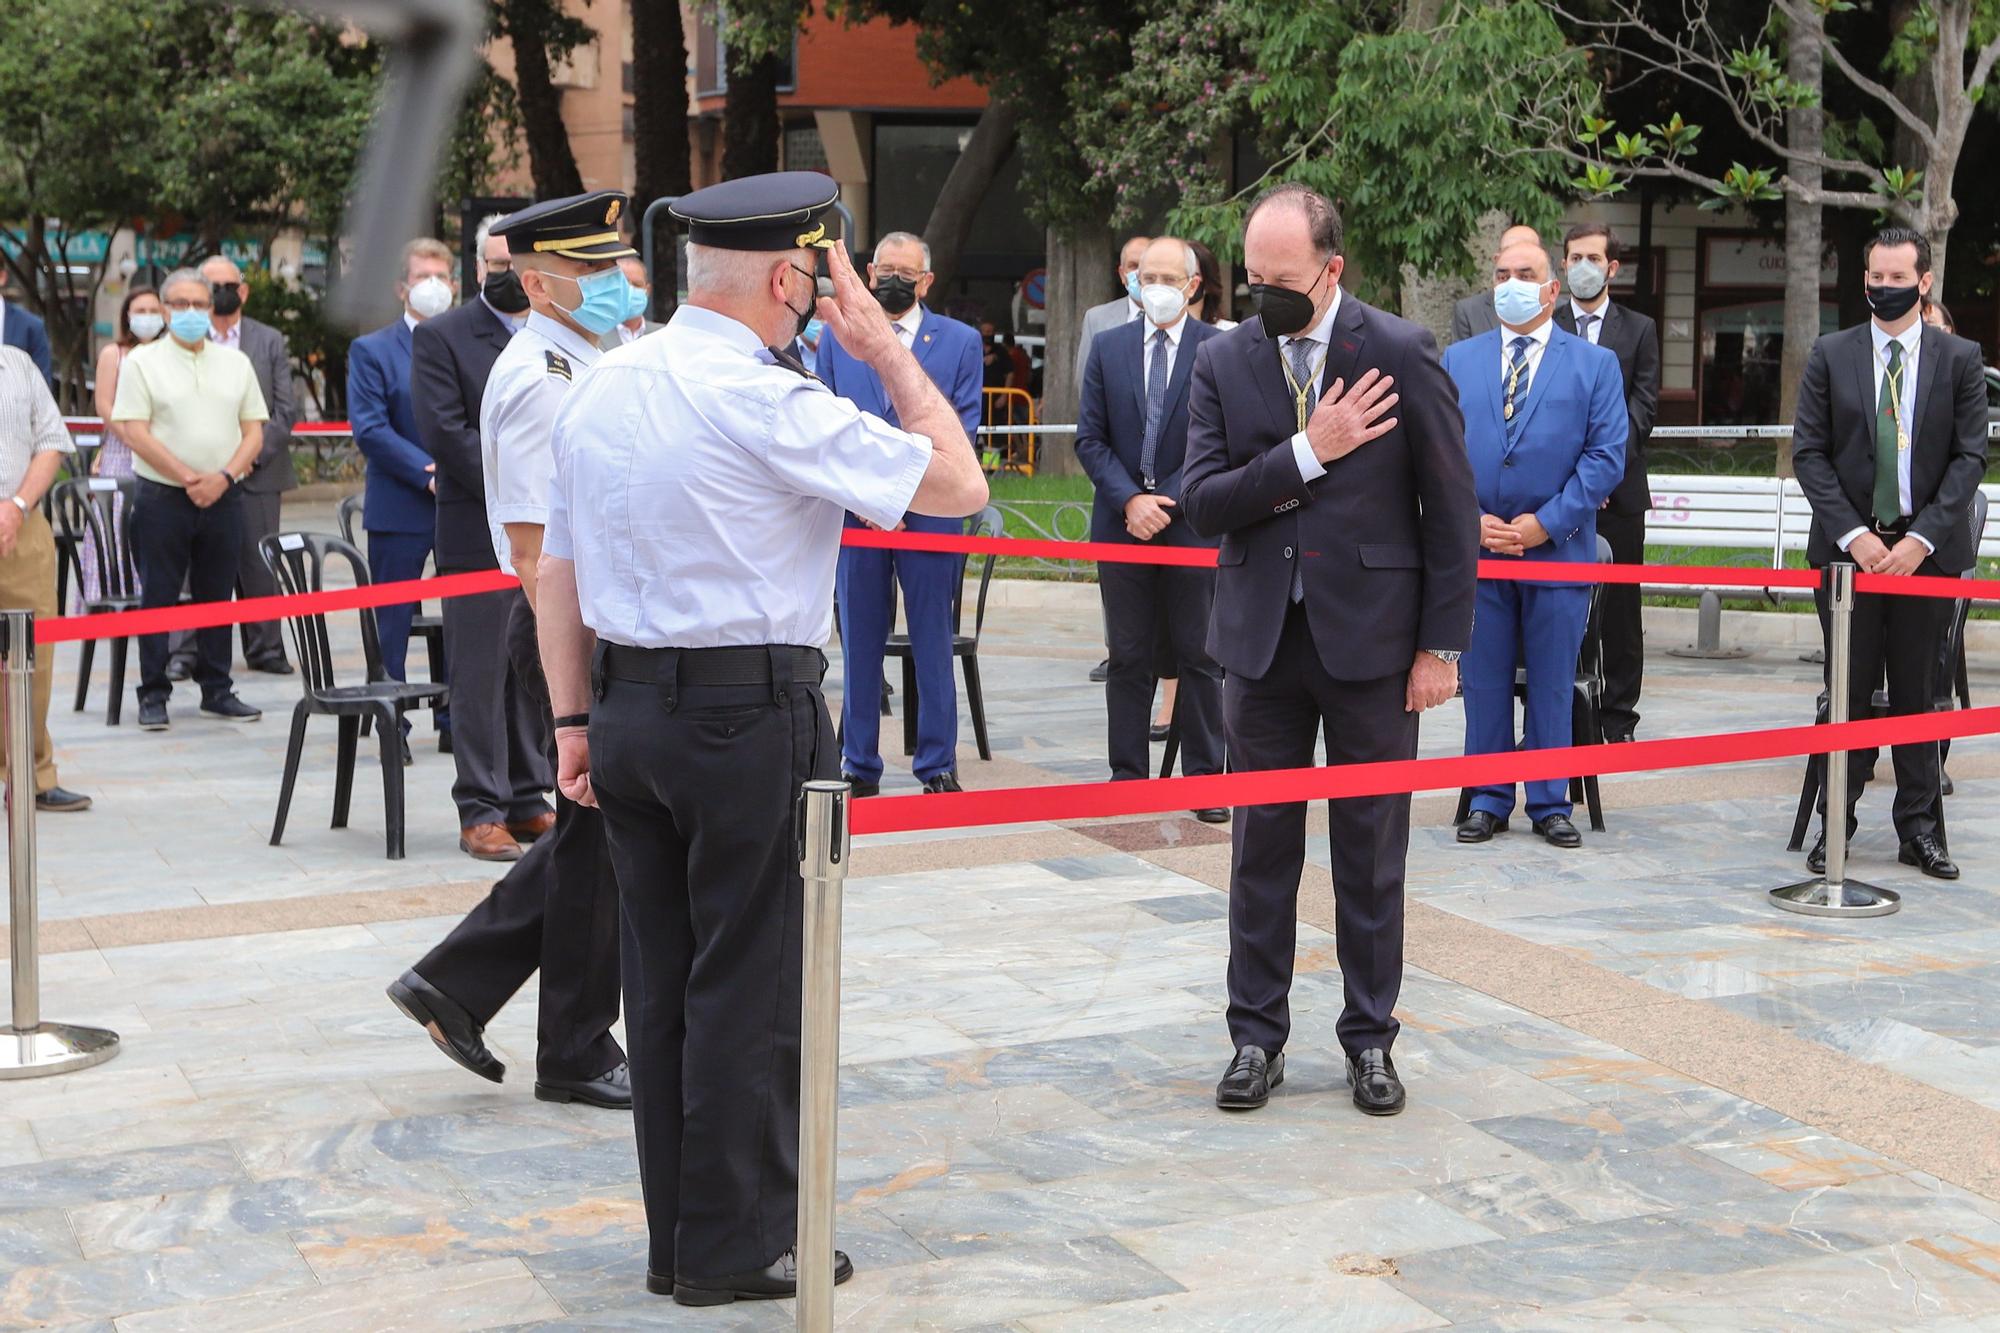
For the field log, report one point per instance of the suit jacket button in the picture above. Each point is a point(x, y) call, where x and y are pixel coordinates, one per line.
point(1506, 462)
point(1288, 553)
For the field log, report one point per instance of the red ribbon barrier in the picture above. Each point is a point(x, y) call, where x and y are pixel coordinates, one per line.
point(1928, 585)
point(1102, 800)
point(202, 615)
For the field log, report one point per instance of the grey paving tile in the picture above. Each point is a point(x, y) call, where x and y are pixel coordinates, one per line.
point(123, 1284)
point(470, 1296)
point(1000, 1285)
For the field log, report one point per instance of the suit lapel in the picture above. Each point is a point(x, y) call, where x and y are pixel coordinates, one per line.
point(926, 337)
point(1929, 355)
point(1555, 361)
point(1862, 359)
point(1491, 375)
point(1138, 367)
point(1565, 317)
point(1270, 378)
point(1177, 380)
point(1344, 352)
point(491, 328)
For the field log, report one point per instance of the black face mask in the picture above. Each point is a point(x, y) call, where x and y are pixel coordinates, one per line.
point(1887, 302)
point(1282, 310)
point(804, 316)
point(503, 291)
point(896, 293)
point(228, 300)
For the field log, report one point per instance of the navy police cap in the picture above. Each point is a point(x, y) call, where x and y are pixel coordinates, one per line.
point(583, 226)
point(782, 210)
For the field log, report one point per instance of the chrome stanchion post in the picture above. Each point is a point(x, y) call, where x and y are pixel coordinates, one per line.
point(823, 864)
point(1833, 894)
point(29, 1047)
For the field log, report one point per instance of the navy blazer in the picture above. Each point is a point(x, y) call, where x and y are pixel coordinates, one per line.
point(398, 497)
point(1111, 428)
point(450, 357)
point(24, 329)
point(949, 352)
point(1565, 453)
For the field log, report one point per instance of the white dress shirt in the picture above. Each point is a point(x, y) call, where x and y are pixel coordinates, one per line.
point(517, 415)
point(1912, 340)
point(233, 338)
point(1579, 313)
point(907, 324)
point(1540, 339)
point(1173, 347)
point(410, 321)
point(700, 487)
point(1310, 467)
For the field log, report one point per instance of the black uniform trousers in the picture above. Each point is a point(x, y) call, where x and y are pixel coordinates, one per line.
point(556, 910)
point(700, 785)
point(176, 541)
point(1901, 635)
point(1272, 722)
point(1622, 625)
point(1138, 601)
point(499, 738)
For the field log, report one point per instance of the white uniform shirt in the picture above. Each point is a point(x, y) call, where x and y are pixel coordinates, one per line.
point(699, 489)
point(516, 418)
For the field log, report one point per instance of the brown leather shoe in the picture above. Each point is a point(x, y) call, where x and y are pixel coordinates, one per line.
point(527, 830)
point(488, 842)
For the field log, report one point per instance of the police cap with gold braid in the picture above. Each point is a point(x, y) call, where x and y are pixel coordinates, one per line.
point(583, 226)
point(782, 210)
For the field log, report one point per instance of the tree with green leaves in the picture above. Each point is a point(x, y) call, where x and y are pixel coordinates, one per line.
point(540, 33)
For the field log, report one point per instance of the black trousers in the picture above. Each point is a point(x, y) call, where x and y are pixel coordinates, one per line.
point(1138, 600)
point(500, 730)
point(263, 640)
point(1622, 625)
point(1900, 635)
point(1272, 723)
point(556, 910)
point(176, 540)
point(699, 786)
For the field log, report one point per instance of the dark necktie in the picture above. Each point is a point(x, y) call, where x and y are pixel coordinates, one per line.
point(1584, 324)
point(1300, 352)
point(1888, 442)
point(1517, 378)
point(1156, 407)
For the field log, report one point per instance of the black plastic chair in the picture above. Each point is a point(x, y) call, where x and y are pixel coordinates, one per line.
point(965, 647)
point(102, 508)
point(426, 627)
point(1948, 692)
point(1586, 702)
point(298, 561)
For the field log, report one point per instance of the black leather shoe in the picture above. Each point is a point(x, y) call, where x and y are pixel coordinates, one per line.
point(1247, 1083)
point(774, 1282)
point(1377, 1090)
point(1557, 831)
point(1480, 826)
point(444, 742)
point(1927, 854)
point(229, 708)
point(153, 715)
point(1101, 672)
point(1816, 858)
point(179, 668)
point(611, 1090)
point(861, 786)
point(942, 782)
point(449, 1025)
point(273, 666)
point(408, 758)
point(1213, 814)
point(61, 801)
point(1945, 785)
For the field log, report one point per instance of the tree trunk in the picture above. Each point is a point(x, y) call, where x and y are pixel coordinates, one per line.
point(965, 189)
point(1805, 133)
point(1080, 269)
point(551, 164)
point(659, 103)
point(750, 117)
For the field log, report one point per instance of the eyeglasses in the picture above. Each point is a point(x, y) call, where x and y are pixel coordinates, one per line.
point(891, 271)
point(189, 305)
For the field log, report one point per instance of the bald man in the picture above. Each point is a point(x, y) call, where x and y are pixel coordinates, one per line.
point(1474, 315)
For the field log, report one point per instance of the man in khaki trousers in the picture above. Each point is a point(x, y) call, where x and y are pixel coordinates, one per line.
point(33, 444)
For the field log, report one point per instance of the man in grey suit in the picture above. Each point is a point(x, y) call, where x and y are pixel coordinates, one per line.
point(270, 476)
point(1474, 315)
point(1120, 310)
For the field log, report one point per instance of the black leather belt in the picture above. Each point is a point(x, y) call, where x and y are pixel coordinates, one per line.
point(762, 664)
point(1900, 528)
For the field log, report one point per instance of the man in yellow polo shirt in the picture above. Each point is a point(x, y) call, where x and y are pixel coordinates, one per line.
point(194, 415)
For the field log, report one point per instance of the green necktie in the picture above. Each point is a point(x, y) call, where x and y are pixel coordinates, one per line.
point(1888, 498)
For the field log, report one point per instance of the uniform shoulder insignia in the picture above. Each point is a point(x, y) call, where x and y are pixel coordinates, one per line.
point(558, 364)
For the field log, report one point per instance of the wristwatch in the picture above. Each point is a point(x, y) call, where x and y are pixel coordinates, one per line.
point(1444, 655)
point(20, 504)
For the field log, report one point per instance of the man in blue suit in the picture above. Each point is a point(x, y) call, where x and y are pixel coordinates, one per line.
point(865, 581)
point(1131, 437)
point(1545, 428)
point(400, 508)
point(24, 329)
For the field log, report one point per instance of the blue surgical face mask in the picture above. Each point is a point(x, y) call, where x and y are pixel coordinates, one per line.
point(1517, 301)
point(635, 302)
point(814, 327)
point(604, 302)
point(1132, 284)
point(190, 326)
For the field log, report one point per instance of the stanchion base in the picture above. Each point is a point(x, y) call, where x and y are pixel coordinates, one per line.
point(1815, 897)
point(53, 1048)
point(1710, 654)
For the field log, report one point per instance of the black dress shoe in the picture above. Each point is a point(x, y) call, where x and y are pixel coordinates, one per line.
point(1816, 858)
point(444, 742)
point(1101, 672)
point(1927, 854)
point(861, 786)
point(1945, 785)
point(611, 1090)
point(273, 666)
point(1480, 826)
point(941, 782)
point(153, 715)
point(775, 1281)
point(1160, 729)
point(179, 668)
point(229, 708)
point(1557, 831)
point(1247, 1083)
point(1213, 814)
point(61, 801)
point(449, 1025)
point(1377, 1090)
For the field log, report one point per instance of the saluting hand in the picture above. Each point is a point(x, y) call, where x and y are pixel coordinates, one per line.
point(853, 313)
point(1348, 418)
point(573, 765)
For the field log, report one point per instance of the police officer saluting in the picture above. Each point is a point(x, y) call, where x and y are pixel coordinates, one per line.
point(701, 475)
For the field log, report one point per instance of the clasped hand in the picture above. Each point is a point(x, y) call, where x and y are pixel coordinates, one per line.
point(1874, 556)
point(1146, 516)
point(1517, 537)
point(1348, 418)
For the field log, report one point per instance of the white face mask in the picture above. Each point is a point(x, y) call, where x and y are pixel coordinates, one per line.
point(430, 297)
point(1163, 304)
point(146, 327)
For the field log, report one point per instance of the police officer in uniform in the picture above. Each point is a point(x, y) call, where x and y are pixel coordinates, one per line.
point(558, 909)
point(701, 475)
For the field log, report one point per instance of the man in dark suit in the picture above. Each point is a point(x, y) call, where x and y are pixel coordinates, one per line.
point(399, 510)
point(1131, 437)
point(1473, 315)
point(1590, 260)
point(496, 733)
point(1889, 444)
point(1545, 429)
point(23, 328)
point(1343, 600)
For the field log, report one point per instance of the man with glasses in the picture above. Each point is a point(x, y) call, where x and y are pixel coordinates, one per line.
point(865, 580)
point(195, 417)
